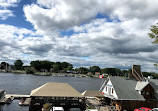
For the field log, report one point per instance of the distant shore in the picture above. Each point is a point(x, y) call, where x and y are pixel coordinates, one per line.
point(49, 73)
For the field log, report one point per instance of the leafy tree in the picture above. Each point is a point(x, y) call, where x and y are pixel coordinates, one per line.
point(59, 65)
point(125, 73)
point(94, 69)
point(112, 71)
point(66, 66)
point(56, 67)
point(46, 65)
point(70, 67)
point(30, 70)
point(18, 64)
point(36, 64)
point(3, 65)
point(83, 70)
point(154, 33)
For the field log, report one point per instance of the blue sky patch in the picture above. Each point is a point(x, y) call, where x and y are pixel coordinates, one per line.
point(105, 16)
point(18, 20)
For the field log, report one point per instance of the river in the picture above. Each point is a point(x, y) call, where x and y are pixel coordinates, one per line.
point(24, 83)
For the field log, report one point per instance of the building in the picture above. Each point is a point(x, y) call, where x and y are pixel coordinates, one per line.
point(94, 98)
point(56, 94)
point(92, 93)
point(131, 92)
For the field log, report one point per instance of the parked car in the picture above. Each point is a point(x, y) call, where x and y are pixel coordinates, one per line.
point(155, 109)
point(91, 109)
point(57, 109)
point(143, 109)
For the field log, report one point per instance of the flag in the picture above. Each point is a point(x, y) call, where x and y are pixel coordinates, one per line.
point(100, 76)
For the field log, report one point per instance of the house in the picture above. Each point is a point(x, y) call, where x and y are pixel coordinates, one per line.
point(89, 73)
point(94, 98)
point(97, 73)
point(131, 92)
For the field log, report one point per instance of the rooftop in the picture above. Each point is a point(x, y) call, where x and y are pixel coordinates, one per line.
point(93, 93)
point(125, 88)
point(55, 90)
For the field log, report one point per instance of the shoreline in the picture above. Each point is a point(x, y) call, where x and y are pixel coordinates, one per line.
point(50, 74)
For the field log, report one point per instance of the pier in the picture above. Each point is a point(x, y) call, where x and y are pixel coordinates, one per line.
point(17, 96)
point(26, 98)
point(54, 94)
point(3, 100)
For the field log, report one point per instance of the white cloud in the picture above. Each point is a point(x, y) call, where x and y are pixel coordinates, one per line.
point(107, 44)
point(4, 5)
point(61, 14)
point(4, 14)
point(16, 42)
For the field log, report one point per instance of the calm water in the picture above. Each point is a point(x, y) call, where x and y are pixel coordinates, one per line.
point(23, 84)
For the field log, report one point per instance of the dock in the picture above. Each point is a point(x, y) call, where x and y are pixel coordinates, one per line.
point(17, 96)
point(3, 101)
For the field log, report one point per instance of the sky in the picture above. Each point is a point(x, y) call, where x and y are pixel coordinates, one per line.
point(106, 33)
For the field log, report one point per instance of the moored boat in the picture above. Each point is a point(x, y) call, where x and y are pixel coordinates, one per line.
point(8, 101)
point(2, 94)
point(21, 102)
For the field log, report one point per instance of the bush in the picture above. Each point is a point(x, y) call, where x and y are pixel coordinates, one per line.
point(46, 106)
point(30, 71)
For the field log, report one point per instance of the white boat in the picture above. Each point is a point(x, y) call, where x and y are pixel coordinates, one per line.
point(21, 102)
point(2, 94)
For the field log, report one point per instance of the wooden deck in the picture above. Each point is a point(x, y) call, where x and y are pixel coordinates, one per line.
point(3, 101)
point(17, 96)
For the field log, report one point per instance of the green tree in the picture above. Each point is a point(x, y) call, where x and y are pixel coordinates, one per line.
point(4, 65)
point(36, 65)
point(70, 67)
point(65, 66)
point(56, 67)
point(18, 64)
point(46, 65)
point(94, 69)
point(83, 70)
point(154, 33)
point(125, 73)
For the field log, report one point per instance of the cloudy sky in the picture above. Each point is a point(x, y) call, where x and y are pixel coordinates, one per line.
point(106, 33)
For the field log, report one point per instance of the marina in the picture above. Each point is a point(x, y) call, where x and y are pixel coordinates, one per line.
point(113, 94)
point(55, 94)
point(23, 84)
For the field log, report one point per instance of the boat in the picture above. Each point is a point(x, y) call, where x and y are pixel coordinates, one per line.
point(2, 94)
point(8, 101)
point(21, 102)
point(12, 98)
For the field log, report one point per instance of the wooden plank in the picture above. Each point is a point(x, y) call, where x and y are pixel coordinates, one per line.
point(17, 96)
point(3, 100)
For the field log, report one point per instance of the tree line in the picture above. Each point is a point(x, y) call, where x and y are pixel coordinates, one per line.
point(49, 66)
point(64, 67)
